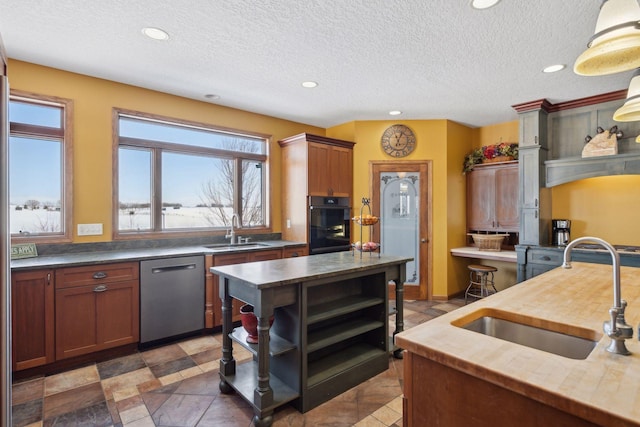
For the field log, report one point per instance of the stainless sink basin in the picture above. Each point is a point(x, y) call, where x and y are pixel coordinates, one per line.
point(236, 247)
point(562, 344)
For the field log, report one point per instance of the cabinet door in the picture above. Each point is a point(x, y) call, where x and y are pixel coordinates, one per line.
point(481, 199)
point(118, 313)
point(264, 255)
point(530, 177)
point(319, 167)
point(295, 251)
point(32, 317)
point(96, 317)
point(341, 173)
point(507, 218)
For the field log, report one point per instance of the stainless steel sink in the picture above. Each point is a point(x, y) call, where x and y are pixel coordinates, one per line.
point(237, 247)
point(573, 347)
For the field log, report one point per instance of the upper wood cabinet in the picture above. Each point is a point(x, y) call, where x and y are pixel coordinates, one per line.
point(312, 165)
point(32, 316)
point(492, 198)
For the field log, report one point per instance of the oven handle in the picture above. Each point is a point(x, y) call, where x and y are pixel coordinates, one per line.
point(329, 207)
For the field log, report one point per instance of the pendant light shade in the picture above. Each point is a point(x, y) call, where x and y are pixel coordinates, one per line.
point(630, 110)
point(615, 46)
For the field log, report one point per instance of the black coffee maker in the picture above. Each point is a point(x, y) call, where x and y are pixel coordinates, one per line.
point(561, 232)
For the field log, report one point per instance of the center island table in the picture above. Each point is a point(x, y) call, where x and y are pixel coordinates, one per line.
point(330, 327)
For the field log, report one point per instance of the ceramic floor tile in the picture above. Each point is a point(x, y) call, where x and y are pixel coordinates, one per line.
point(370, 421)
point(181, 410)
point(387, 415)
point(207, 356)
point(134, 414)
point(59, 404)
point(121, 365)
point(143, 422)
point(126, 380)
point(198, 345)
point(163, 354)
point(26, 413)
point(27, 390)
point(70, 380)
point(172, 366)
point(205, 384)
point(227, 411)
point(96, 416)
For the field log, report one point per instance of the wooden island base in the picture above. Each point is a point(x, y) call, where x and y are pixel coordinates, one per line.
point(436, 395)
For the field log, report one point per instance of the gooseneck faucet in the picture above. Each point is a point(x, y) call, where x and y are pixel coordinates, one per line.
point(235, 222)
point(616, 328)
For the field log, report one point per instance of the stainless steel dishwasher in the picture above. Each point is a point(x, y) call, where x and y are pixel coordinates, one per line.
point(171, 297)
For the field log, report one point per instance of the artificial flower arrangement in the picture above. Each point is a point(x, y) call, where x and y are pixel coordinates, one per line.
point(503, 151)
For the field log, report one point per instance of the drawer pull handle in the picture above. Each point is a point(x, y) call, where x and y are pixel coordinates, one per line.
point(545, 258)
point(99, 275)
point(100, 288)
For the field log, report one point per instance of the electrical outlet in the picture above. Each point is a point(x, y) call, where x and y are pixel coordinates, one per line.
point(90, 229)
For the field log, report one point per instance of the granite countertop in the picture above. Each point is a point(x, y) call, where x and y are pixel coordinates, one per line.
point(124, 255)
point(474, 252)
point(604, 388)
point(280, 272)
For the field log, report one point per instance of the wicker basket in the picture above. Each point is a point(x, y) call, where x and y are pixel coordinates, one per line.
point(488, 242)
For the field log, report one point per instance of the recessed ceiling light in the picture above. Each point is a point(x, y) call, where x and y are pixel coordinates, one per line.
point(483, 4)
point(155, 33)
point(212, 96)
point(309, 84)
point(553, 68)
point(395, 113)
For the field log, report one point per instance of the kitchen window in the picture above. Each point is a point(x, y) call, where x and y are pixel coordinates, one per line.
point(178, 176)
point(40, 162)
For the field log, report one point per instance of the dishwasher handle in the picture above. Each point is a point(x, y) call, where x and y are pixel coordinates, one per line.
point(167, 269)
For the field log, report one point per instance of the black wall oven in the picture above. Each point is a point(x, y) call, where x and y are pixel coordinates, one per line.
point(329, 224)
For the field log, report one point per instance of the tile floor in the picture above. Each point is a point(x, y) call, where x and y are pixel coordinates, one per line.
point(177, 385)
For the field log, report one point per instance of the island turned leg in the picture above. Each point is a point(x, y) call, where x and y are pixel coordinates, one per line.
point(397, 353)
point(227, 363)
point(263, 393)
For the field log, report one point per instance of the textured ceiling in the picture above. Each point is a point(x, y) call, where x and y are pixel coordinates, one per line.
point(430, 59)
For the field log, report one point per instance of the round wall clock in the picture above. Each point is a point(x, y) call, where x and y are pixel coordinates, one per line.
point(398, 141)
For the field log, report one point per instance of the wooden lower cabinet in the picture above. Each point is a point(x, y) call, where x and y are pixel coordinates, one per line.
point(97, 307)
point(436, 395)
point(32, 318)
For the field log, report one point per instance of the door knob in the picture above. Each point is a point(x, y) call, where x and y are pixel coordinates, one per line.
point(423, 240)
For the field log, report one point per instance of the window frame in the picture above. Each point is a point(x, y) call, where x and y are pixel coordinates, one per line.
point(156, 148)
point(66, 135)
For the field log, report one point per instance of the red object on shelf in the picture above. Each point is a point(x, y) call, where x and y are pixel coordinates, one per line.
point(250, 323)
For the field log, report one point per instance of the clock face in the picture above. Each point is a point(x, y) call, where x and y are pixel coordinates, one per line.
point(398, 141)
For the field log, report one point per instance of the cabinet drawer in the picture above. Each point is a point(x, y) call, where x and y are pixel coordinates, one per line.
point(96, 274)
point(545, 257)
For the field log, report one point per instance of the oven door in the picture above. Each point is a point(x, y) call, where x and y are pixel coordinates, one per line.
point(329, 229)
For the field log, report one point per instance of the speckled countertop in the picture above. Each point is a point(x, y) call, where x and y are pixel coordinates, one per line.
point(280, 272)
point(101, 257)
point(604, 388)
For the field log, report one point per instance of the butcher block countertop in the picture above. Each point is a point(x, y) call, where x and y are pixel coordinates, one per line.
point(604, 388)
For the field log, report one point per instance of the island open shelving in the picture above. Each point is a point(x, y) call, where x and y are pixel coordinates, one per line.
point(330, 329)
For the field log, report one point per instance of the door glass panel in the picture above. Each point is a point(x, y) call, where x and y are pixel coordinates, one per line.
point(400, 219)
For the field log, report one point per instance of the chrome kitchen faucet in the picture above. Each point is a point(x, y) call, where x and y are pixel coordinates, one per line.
point(616, 328)
point(232, 232)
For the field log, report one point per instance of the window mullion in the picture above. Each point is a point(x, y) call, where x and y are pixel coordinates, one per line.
point(156, 188)
point(237, 187)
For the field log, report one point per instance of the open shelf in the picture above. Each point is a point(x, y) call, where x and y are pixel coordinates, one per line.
point(342, 361)
point(319, 312)
point(245, 381)
point(340, 332)
point(277, 344)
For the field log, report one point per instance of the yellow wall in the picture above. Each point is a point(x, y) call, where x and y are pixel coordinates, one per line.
point(605, 207)
point(93, 102)
point(494, 134)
